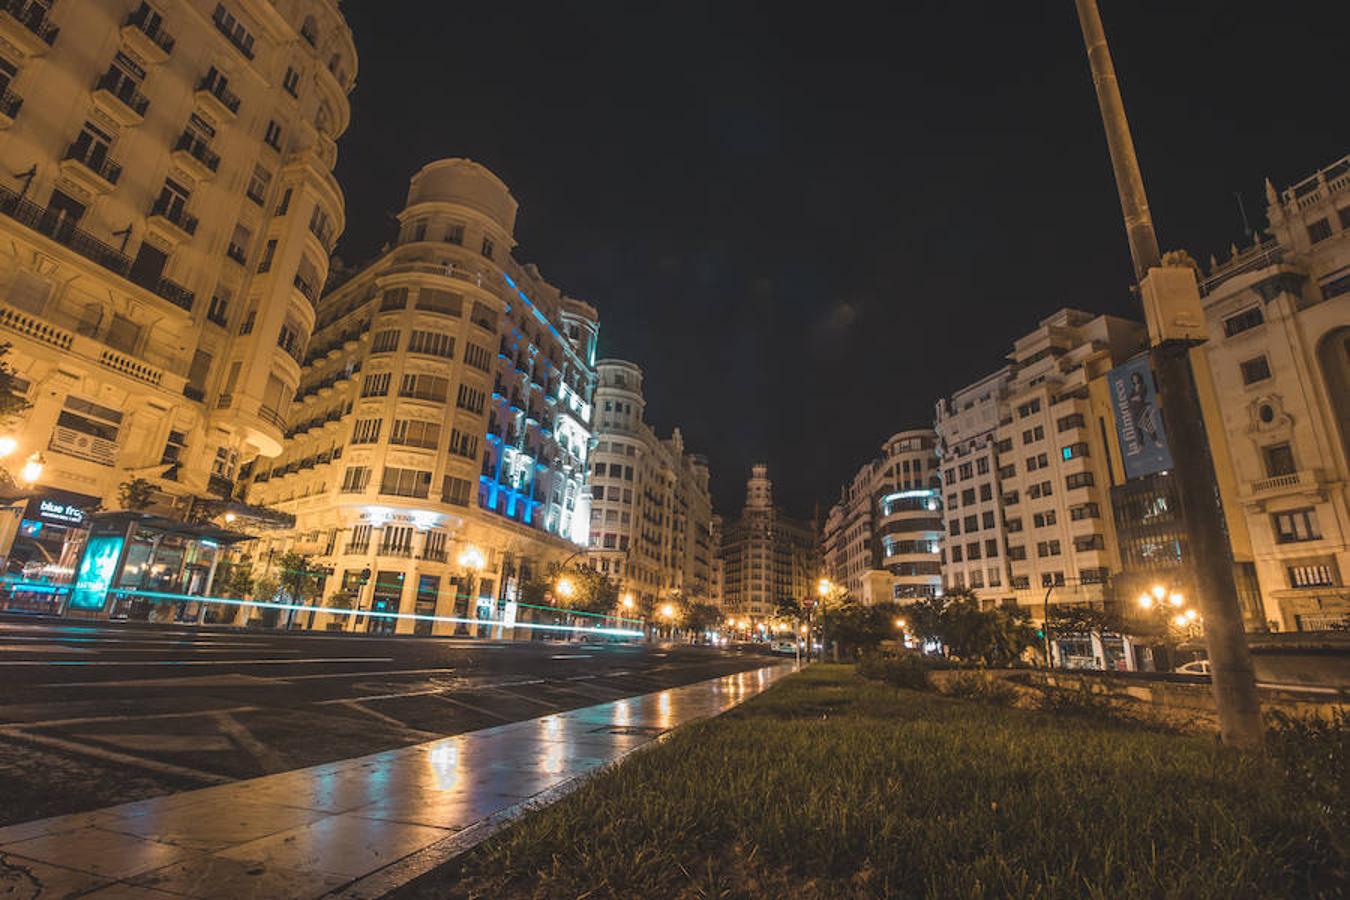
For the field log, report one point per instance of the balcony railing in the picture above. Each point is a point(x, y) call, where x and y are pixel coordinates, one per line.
point(172, 291)
point(125, 89)
point(198, 149)
point(394, 550)
point(305, 288)
point(59, 228)
point(33, 16)
point(215, 86)
point(220, 486)
point(272, 417)
point(140, 20)
point(237, 37)
point(176, 213)
point(10, 103)
point(104, 168)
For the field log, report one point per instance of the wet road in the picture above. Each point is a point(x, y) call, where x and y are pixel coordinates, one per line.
point(93, 714)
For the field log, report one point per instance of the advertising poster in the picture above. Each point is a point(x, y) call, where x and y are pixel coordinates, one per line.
point(97, 568)
point(1139, 422)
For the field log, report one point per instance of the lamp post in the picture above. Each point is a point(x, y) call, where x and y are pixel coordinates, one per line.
point(1175, 324)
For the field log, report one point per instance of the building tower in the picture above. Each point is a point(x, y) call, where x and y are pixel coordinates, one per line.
point(438, 448)
point(768, 558)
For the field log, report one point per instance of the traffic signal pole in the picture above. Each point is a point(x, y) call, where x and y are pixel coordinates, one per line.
point(1176, 325)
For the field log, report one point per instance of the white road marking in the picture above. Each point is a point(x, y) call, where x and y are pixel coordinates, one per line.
point(122, 758)
point(44, 648)
point(389, 720)
point(571, 656)
point(233, 679)
point(84, 720)
point(455, 701)
point(195, 662)
point(269, 759)
point(168, 743)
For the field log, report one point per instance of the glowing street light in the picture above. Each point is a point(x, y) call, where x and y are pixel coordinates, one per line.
point(1176, 599)
point(7, 446)
point(32, 469)
point(824, 587)
point(627, 601)
point(472, 558)
point(1159, 592)
point(566, 588)
point(667, 611)
point(1145, 601)
point(900, 623)
point(230, 518)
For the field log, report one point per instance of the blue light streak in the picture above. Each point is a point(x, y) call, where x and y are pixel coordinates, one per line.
point(419, 617)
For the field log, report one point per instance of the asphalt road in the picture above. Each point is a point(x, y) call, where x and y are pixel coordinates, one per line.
point(95, 714)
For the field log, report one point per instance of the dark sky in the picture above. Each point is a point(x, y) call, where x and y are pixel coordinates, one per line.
point(808, 221)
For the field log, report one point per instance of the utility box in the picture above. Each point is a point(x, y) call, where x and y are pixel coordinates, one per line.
point(1172, 305)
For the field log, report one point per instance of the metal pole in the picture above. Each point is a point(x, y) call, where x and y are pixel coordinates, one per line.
point(1045, 629)
point(1232, 677)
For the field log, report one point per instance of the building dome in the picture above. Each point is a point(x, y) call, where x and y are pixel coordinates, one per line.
point(463, 182)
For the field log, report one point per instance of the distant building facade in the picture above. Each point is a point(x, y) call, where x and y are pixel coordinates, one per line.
point(767, 556)
point(651, 513)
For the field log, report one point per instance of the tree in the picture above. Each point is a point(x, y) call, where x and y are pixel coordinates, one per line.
point(697, 616)
point(12, 402)
point(956, 621)
point(232, 580)
point(136, 494)
point(297, 579)
point(859, 627)
point(590, 590)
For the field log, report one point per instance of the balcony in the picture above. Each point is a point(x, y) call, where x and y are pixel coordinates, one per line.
point(305, 288)
point(1305, 481)
point(10, 104)
point(172, 291)
point(60, 229)
point(239, 39)
point(218, 99)
point(119, 98)
point(171, 221)
point(24, 24)
point(195, 156)
point(150, 41)
point(90, 167)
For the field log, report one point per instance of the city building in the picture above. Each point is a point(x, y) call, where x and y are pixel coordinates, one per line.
point(167, 209)
point(1052, 467)
point(768, 558)
point(716, 578)
point(437, 452)
point(651, 513)
point(967, 424)
point(883, 539)
point(1278, 315)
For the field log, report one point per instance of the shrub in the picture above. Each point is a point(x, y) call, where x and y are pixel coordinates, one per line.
point(981, 686)
point(908, 670)
point(1076, 701)
point(1314, 754)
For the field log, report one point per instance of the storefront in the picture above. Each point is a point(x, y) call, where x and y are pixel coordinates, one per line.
point(141, 567)
point(49, 532)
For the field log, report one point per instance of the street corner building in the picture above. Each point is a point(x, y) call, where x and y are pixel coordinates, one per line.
point(436, 454)
point(168, 210)
point(768, 558)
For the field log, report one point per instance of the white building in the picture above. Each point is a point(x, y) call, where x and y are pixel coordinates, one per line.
point(1279, 322)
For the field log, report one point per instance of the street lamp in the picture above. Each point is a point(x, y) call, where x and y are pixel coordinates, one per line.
point(565, 587)
point(32, 469)
point(7, 446)
point(627, 601)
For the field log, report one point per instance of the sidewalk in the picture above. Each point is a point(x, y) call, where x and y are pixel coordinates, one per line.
point(339, 827)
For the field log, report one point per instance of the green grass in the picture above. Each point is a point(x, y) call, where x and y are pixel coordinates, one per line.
point(830, 786)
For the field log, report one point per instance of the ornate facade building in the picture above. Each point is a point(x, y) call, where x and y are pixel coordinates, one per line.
point(767, 557)
point(1278, 315)
point(438, 448)
point(651, 513)
point(167, 209)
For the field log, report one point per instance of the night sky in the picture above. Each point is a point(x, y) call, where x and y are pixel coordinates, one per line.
point(806, 222)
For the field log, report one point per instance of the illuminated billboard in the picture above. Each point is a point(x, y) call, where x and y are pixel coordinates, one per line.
point(1139, 421)
point(97, 568)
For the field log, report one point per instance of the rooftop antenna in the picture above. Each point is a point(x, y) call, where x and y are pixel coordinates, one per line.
point(1242, 209)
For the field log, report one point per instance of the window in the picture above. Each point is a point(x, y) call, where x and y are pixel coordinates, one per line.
point(1243, 321)
point(986, 492)
point(355, 480)
point(1071, 421)
point(322, 227)
point(173, 448)
point(385, 341)
point(477, 357)
point(1078, 480)
point(957, 554)
point(991, 548)
point(172, 204)
point(233, 29)
point(444, 302)
point(966, 470)
point(982, 466)
point(258, 184)
point(1075, 451)
point(1017, 553)
point(432, 343)
point(1085, 511)
point(1089, 542)
point(487, 247)
point(987, 519)
point(218, 310)
point(1027, 409)
point(272, 136)
point(470, 399)
point(394, 298)
point(456, 491)
point(463, 444)
point(1007, 471)
point(1044, 519)
point(949, 476)
point(1036, 491)
point(1004, 446)
point(366, 431)
point(123, 80)
point(285, 205)
point(1039, 461)
point(1011, 498)
point(454, 234)
point(1319, 231)
point(973, 550)
point(968, 497)
point(290, 82)
point(1279, 459)
point(1013, 525)
point(405, 482)
point(422, 386)
point(269, 251)
point(954, 526)
point(415, 433)
point(375, 385)
point(1296, 526)
point(1033, 434)
point(1255, 369)
point(970, 523)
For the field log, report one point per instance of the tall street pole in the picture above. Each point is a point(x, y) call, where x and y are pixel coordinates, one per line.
point(1176, 324)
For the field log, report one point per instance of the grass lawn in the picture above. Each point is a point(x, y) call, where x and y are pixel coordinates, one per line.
point(831, 786)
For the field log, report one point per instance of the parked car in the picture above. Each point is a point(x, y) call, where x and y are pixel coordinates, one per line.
point(785, 646)
point(1194, 667)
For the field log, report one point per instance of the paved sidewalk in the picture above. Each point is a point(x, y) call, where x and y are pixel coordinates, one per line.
point(338, 828)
